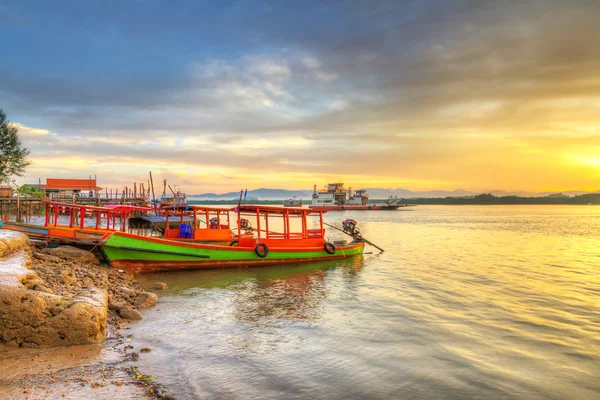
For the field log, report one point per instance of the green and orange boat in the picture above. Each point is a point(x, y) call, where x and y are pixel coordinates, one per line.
point(280, 236)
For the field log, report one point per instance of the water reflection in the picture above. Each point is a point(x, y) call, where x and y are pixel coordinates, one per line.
point(292, 292)
point(297, 296)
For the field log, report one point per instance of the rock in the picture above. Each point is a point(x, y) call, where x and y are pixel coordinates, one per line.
point(129, 314)
point(73, 254)
point(145, 349)
point(145, 300)
point(12, 242)
point(159, 286)
point(30, 318)
point(127, 292)
point(38, 244)
point(87, 283)
point(31, 315)
point(116, 306)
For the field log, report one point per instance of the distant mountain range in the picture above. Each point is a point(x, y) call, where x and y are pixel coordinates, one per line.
point(374, 193)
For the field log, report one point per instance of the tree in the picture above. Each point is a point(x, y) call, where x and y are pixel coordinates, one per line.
point(13, 156)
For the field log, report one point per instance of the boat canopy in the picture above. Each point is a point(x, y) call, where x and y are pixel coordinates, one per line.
point(77, 213)
point(262, 214)
point(278, 210)
point(123, 207)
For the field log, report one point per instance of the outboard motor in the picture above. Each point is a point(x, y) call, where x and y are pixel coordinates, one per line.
point(349, 226)
point(245, 225)
point(214, 223)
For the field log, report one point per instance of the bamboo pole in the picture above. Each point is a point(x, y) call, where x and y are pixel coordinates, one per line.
point(18, 206)
point(153, 196)
point(362, 238)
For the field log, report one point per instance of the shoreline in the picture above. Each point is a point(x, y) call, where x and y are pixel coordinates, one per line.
point(110, 369)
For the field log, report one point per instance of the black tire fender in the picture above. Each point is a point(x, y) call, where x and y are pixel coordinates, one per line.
point(233, 242)
point(329, 248)
point(261, 250)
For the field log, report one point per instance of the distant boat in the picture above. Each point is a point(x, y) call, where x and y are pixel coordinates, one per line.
point(179, 199)
point(336, 198)
point(292, 202)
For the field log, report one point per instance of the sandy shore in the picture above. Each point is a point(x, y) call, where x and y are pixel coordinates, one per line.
point(110, 370)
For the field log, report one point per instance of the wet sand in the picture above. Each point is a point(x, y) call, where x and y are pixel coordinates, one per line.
point(103, 371)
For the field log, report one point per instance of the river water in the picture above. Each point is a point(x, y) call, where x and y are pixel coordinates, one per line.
point(467, 302)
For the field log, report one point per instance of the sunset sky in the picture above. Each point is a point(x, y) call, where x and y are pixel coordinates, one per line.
point(219, 95)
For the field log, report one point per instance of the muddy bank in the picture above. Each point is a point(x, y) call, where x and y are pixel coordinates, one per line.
point(53, 283)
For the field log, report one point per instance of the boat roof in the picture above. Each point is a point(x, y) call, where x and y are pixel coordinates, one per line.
point(156, 219)
point(211, 208)
point(268, 209)
point(108, 207)
point(124, 207)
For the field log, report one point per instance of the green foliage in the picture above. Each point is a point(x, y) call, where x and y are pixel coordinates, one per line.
point(30, 191)
point(486, 198)
point(13, 156)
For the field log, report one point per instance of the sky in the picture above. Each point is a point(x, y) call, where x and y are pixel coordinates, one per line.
point(221, 95)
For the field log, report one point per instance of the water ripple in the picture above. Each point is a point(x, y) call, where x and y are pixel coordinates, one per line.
point(466, 302)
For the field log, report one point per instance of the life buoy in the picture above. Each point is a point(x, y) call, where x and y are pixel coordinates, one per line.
point(329, 248)
point(233, 242)
point(261, 250)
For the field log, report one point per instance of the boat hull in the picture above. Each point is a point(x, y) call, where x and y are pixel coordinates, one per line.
point(355, 207)
point(140, 254)
point(59, 234)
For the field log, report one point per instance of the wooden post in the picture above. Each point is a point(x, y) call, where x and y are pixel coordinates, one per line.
point(267, 225)
point(257, 222)
point(18, 206)
point(134, 190)
point(153, 196)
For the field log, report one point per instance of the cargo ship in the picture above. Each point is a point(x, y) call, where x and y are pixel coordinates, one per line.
point(334, 197)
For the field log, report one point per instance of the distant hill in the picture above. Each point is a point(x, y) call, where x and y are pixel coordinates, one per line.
point(377, 193)
point(486, 198)
point(263, 194)
point(374, 193)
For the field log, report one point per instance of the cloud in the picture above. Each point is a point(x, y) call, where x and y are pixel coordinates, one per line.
point(416, 93)
point(27, 131)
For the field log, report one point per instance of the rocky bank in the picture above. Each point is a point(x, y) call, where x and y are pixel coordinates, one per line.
point(59, 298)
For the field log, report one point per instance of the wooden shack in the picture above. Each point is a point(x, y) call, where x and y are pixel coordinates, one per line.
point(5, 192)
point(64, 188)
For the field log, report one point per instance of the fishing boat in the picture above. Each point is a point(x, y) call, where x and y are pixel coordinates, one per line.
point(82, 225)
point(336, 198)
point(293, 242)
point(86, 224)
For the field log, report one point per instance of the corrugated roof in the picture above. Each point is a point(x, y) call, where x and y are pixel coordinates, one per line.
point(71, 184)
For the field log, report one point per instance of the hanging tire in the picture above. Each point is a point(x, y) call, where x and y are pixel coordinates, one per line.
point(261, 250)
point(329, 248)
point(234, 242)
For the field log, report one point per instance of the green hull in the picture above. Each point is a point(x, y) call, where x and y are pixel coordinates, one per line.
point(144, 254)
